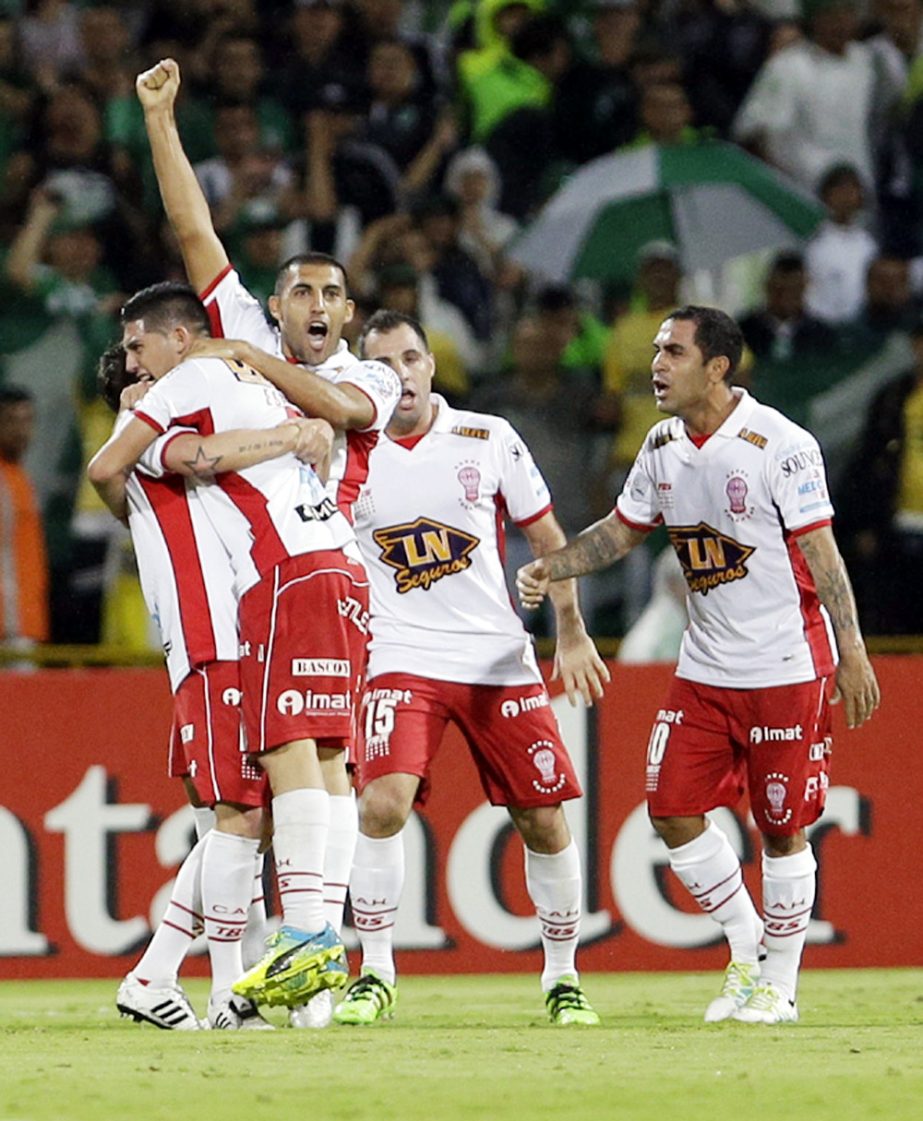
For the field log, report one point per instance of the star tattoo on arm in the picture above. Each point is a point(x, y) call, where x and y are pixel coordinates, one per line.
point(203, 466)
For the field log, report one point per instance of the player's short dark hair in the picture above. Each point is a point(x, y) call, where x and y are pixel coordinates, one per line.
point(312, 258)
point(167, 305)
point(14, 395)
point(112, 375)
point(385, 320)
point(716, 334)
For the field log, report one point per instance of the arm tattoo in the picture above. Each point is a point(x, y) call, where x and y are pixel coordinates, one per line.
point(592, 550)
point(833, 587)
point(203, 466)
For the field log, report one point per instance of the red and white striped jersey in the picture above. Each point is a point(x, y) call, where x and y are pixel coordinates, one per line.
point(264, 513)
point(734, 508)
point(236, 314)
point(185, 572)
point(429, 520)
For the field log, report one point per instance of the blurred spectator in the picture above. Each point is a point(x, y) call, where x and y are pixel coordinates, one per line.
point(17, 92)
point(838, 254)
point(553, 409)
point(106, 68)
point(797, 356)
point(456, 273)
point(704, 31)
point(317, 63)
point(784, 330)
point(627, 361)
point(881, 507)
point(812, 103)
point(888, 304)
point(237, 74)
point(49, 32)
point(493, 82)
point(656, 634)
point(400, 118)
point(665, 116)
point(595, 101)
point(895, 48)
point(23, 562)
point(380, 20)
point(245, 177)
point(473, 181)
point(523, 142)
point(575, 332)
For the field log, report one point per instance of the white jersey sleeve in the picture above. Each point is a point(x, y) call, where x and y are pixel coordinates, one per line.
point(522, 486)
point(235, 313)
point(798, 482)
point(181, 397)
point(379, 383)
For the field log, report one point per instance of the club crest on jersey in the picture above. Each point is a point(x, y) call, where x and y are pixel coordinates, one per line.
point(709, 558)
point(736, 490)
point(424, 551)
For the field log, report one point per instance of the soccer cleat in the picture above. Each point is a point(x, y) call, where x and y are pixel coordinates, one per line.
point(567, 1004)
point(236, 1014)
point(767, 1006)
point(165, 1006)
point(370, 999)
point(317, 1013)
point(740, 979)
point(296, 965)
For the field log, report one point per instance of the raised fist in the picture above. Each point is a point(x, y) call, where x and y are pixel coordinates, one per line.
point(158, 86)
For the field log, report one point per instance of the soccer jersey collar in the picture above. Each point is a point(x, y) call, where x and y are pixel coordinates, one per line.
point(733, 423)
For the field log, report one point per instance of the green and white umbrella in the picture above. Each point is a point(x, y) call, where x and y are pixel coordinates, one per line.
point(712, 200)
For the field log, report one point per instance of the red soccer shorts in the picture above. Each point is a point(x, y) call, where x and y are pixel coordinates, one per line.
point(303, 632)
point(511, 732)
point(206, 745)
point(708, 744)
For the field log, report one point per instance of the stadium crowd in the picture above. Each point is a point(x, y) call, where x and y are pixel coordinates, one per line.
point(414, 141)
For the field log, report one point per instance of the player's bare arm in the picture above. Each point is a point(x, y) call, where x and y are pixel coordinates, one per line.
point(603, 543)
point(205, 457)
point(108, 469)
point(576, 660)
point(183, 200)
point(857, 686)
point(343, 405)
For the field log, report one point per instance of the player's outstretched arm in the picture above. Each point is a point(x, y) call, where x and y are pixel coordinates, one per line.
point(602, 544)
point(576, 660)
point(857, 685)
point(203, 457)
point(183, 200)
point(341, 404)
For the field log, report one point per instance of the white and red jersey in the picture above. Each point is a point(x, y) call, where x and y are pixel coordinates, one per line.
point(734, 508)
point(263, 514)
point(429, 520)
point(185, 572)
point(236, 314)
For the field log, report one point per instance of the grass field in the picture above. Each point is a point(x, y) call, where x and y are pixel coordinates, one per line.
point(478, 1047)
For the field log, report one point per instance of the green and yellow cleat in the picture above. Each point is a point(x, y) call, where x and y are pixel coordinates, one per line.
point(295, 967)
point(567, 1004)
point(369, 1000)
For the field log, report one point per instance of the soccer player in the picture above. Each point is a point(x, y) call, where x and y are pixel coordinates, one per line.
point(285, 540)
point(743, 494)
point(447, 645)
point(310, 307)
point(187, 583)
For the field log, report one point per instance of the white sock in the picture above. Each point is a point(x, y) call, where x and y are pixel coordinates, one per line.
point(555, 885)
point(789, 886)
point(204, 820)
point(179, 926)
point(374, 892)
point(252, 946)
point(338, 859)
point(711, 872)
point(227, 885)
point(301, 819)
